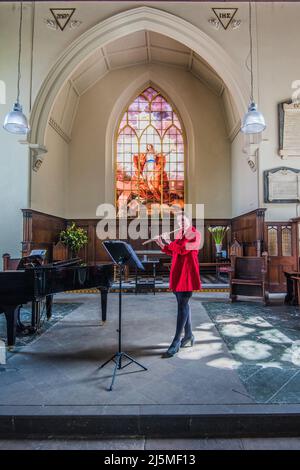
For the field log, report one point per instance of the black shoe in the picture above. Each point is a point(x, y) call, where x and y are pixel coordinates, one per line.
point(185, 341)
point(173, 349)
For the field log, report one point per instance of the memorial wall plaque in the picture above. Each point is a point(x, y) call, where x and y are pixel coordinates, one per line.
point(289, 129)
point(282, 185)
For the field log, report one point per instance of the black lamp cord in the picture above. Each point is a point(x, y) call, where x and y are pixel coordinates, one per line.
point(251, 49)
point(20, 48)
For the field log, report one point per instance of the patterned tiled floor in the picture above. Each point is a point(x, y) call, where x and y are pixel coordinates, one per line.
point(209, 281)
point(265, 346)
point(60, 310)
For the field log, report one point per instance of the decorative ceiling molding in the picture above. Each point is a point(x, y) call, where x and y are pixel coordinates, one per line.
point(59, 130)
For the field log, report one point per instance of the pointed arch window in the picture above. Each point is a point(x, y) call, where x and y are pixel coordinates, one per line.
point(150, 153)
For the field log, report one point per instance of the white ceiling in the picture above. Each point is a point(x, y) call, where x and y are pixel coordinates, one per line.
point(143, 47)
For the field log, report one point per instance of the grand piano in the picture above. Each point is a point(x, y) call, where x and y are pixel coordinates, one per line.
point(36, 283)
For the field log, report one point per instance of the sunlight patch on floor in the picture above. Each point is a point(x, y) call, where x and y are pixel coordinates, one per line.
point(292, 354)
point(201, 350)
point(224, 363)
point(257, 321)
point(236, 330)
point(253, 350)
point(266, 365)
point(275, 336)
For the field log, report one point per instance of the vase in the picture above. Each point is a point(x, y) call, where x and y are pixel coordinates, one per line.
point(73, 254)
point(218, 247)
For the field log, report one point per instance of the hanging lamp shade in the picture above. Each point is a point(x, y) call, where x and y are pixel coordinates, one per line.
point(254, 121)
point(15, 121)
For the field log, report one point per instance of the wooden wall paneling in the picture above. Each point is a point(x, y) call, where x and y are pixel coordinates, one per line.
point(248, 229)
point(9, 263)
point(40, 231)
point(60, 252)
point(208, 252)
point(278, 263)
point(95, 251)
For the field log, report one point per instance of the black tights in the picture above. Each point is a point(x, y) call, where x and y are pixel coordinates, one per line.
point(184, 321)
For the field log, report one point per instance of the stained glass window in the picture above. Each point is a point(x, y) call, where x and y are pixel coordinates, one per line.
point(150, 153)
point(272, 241)
point(286, 240)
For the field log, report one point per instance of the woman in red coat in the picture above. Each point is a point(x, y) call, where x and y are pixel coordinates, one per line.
point(184, 278)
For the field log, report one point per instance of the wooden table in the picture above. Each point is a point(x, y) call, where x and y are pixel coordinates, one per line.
point(292, 287)
point(144, 285)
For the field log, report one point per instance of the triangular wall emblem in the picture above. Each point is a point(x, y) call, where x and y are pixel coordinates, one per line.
point(225, 15)
point(62, 16)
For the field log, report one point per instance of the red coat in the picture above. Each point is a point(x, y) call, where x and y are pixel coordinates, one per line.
point(184, 275)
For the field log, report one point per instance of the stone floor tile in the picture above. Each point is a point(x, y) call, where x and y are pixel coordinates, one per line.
point(278, 443)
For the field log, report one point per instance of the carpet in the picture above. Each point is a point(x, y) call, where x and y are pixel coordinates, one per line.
point(60, 310)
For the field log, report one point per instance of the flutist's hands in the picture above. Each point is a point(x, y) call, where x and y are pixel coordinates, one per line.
point(166, 238)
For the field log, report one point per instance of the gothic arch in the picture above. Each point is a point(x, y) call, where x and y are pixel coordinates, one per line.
point(118, 26)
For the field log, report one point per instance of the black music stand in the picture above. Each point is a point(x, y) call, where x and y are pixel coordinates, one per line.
point(121, 253)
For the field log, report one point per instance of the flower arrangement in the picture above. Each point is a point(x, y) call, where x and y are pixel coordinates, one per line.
point(74, 238)
point(218, 233)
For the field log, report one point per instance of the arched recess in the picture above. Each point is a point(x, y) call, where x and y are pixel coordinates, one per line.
point(116, 27)
point(128, 94)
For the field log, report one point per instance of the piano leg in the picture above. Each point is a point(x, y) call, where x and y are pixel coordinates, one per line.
point(20, 325)
point(11, 313)
point(35, 315)
point(49, 303)
point(104, 293)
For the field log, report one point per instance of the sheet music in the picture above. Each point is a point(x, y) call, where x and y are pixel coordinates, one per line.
point(118, 248)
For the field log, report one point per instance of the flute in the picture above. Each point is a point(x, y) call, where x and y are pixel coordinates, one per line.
point(158, 236)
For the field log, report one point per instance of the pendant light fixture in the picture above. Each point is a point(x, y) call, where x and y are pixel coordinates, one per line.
point(254, 121)
point(15, 121)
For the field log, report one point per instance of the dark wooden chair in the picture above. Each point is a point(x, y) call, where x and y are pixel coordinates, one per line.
point(248, 276)
point(236, 248)
point(294, 298)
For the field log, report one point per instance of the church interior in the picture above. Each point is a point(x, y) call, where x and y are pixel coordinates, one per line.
point(143, 106)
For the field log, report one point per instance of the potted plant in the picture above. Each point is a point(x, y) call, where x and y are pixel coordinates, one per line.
point(74, 238)
point(218, 233)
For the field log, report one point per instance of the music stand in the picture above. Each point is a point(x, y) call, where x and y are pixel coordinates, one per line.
point(121, 253)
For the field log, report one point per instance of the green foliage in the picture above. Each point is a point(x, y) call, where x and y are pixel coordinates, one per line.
point(74, 237)
point(218, 233)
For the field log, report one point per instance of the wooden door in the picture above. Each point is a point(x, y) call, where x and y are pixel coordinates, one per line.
point(281, 241)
